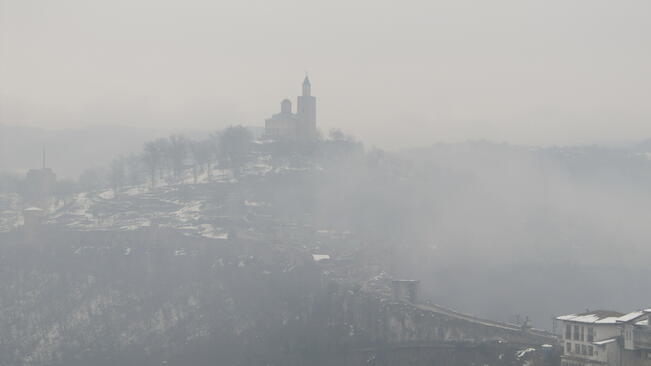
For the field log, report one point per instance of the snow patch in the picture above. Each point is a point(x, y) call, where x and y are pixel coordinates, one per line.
point(107, 195)
point(320, 257)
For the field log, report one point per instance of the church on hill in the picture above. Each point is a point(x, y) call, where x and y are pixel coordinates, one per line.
point(299, 126)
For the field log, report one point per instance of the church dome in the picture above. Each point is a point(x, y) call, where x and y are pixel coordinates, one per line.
point(286, 106)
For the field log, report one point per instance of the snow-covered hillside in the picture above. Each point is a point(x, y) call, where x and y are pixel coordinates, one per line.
point(199, 206)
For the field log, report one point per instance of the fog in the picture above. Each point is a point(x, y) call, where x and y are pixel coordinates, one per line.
point(552, 72)
point(448, 183)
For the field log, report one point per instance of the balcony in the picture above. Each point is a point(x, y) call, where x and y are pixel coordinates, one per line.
point(642, 338)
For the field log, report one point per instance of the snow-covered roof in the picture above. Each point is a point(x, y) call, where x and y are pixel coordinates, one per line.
point(33, 209)
point(605, 341)
point(643, 322)
point(320, 257)
point(631, 316)
point(593, 317)
point(603, 317)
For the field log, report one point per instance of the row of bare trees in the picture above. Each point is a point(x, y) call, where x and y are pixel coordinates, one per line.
point(172, 157)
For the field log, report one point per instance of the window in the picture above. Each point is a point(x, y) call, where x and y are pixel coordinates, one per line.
point(577, 348)
point(568, 348)
point(568, 331)
point(582, 334)
point(590, 351)
point(576, 332)
point(590, 334)
point(584, 350)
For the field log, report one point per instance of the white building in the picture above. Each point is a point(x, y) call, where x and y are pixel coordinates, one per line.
point(606, 338)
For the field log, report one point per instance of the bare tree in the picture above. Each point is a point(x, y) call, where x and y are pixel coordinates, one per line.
point(177, 150)
point(214, 146)
point(65, 189)
point(92, 178)
point(162, 145)
point(134, 171)
point(117, 174)
point(201, 152)
point(9, 183)
point(235, 145)
point(152, 158)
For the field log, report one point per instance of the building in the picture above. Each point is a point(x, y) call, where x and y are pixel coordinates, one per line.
point(606, 338)
point(33, 219)
point(299, 126)
point(39, 186)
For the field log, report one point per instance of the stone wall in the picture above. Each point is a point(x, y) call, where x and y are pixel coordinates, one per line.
point(371, 318)
point(363, 328)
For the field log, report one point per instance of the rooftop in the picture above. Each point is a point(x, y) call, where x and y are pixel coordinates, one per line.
point(593, 317)
point(606, 341)
point(603, 317)
point(33, 209)
point(631, 316)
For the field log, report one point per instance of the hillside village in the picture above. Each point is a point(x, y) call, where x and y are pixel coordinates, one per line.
point(316, 226)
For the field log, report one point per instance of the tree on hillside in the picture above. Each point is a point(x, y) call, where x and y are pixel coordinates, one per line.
point(162, 146)
point(10, 183)
point(337, 135)
point(152, 158)
point(213, 140)
point(65, 190)
point(92, 179)
point(340, 145)
point(117, 174)
point(235, 145)
point(177, 150)
point(134, 169)
point(202, 156)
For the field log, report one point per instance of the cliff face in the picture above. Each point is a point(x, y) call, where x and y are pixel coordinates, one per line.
point(143, 298)
point(153, 297)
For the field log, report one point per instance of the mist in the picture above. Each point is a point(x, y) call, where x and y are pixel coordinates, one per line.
point(520, 72)
point(288, 183)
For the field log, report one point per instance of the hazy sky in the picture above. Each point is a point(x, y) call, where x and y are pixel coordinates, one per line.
point(394, 73)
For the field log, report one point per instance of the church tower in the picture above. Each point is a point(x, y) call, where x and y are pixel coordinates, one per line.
point(307, 111)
